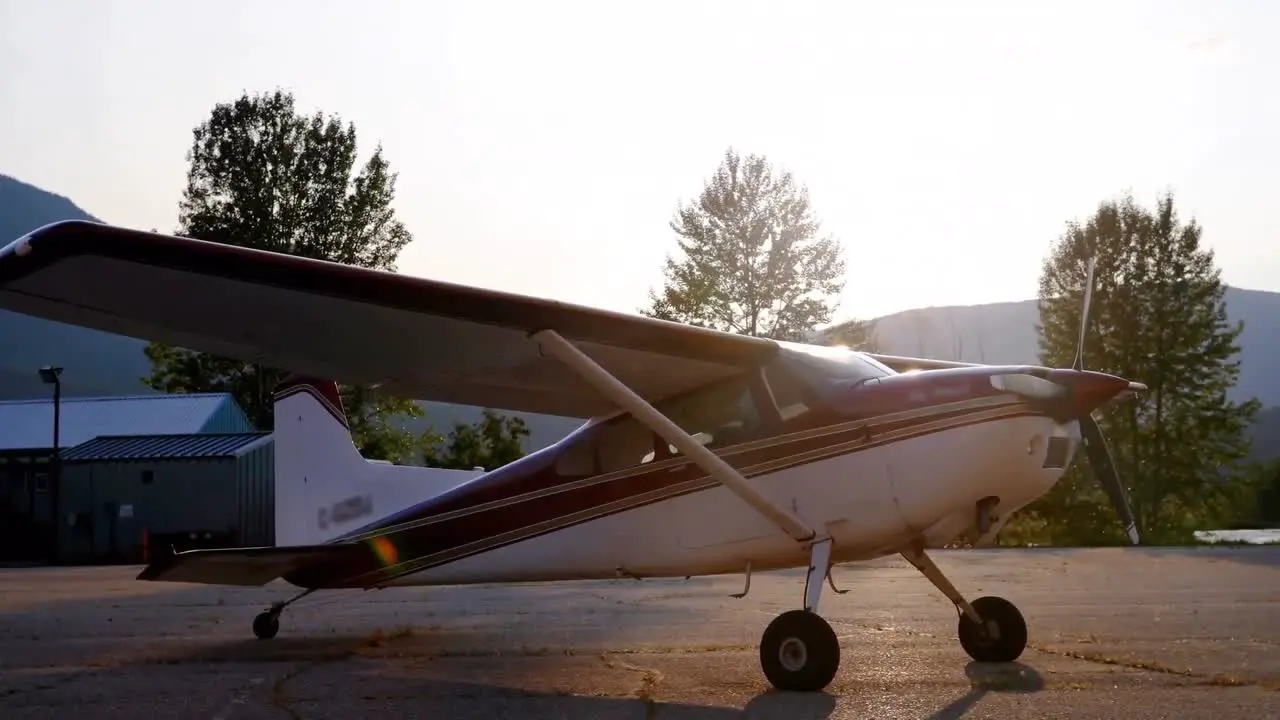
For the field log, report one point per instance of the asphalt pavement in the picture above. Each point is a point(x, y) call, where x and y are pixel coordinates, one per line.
point(1115, 633)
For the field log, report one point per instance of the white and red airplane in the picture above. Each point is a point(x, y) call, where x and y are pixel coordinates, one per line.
point(706, 452)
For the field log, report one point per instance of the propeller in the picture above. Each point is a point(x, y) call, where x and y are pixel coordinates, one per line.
point(1095, 444)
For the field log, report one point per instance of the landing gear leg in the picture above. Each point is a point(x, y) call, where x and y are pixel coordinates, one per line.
point(267, 623)
point(991, 628)
point(799, 650)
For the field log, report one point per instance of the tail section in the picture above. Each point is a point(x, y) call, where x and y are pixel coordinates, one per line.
point(323, 487)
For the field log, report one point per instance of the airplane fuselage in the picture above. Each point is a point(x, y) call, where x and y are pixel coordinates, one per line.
point(875, 459)
point(872, 502)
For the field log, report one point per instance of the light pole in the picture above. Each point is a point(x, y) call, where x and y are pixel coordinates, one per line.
point(51, 375)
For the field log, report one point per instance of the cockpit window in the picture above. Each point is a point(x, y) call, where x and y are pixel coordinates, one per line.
point(800, 378)
point(717, 415)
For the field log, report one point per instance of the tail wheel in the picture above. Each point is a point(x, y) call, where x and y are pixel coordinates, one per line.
point(266, 625)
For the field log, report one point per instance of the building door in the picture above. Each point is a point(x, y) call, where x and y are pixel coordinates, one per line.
point(25, 513)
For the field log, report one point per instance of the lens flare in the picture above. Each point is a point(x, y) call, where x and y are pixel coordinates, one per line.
point(385, 550)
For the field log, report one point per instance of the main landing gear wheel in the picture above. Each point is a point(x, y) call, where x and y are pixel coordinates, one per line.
point(1001, 638)
point(266, 625)
point(799, 651)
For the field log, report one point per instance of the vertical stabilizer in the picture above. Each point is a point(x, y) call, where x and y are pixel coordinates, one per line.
point(323, 486)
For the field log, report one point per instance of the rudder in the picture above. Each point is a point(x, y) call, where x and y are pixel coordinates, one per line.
point(323, 486)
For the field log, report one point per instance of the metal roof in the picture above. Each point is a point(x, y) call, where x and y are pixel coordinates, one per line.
point(28, 424)
point(163, 447)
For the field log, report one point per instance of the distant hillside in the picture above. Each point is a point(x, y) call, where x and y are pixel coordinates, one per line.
point(1006, 333)
point(96, 363)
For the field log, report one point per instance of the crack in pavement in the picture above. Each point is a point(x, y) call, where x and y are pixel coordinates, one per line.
point(649, 680)
point(283, 700)
point(1216, 679)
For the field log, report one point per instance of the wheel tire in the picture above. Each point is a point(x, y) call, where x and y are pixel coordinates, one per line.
point(799, 652)
point(266, 625)
point(1009, 640)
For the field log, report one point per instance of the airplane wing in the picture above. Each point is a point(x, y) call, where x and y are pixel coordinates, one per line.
point(245, 566)
point(417, 338)
point(898, 363)
point(902, 364)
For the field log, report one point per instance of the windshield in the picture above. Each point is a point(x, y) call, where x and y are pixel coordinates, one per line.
point(824, 364)
point(803, 376)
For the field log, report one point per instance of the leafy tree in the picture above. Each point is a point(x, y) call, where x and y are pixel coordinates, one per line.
point(1267, 501)
point(1260, 502)
point(263, 175)
point(854, 334)
point(754, 262)
point(1157, 316)
point(491, 443)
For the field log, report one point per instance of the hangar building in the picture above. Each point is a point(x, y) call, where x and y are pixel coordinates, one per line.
point(136, 472)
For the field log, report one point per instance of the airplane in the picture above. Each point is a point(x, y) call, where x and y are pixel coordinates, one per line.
point(702, 452)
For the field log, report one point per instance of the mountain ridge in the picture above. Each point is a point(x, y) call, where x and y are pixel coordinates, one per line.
point(1004, 333)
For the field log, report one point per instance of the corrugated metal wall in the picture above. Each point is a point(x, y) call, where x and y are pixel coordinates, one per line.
point(231, 498)
point(256, 482)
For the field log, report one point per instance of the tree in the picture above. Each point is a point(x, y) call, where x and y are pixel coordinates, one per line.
point(1266, 503)
point(490, 443)
point(1157, 316)
point(853, 334)
point(262, 175)
point(1260, 505)
point(754, 262)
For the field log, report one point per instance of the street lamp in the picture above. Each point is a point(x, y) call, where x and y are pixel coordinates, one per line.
point(50, 375)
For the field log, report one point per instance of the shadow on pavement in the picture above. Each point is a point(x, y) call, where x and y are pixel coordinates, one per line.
point(1012, 677)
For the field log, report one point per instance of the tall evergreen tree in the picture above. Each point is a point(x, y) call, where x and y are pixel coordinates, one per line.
point(1158, 316)
point(753, 260)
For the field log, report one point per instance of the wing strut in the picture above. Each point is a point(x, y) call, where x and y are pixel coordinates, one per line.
point(553, 344)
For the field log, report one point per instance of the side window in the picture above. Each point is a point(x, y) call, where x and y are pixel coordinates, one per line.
point(723, 414)
point(579, 459)
point(616, 445)
point(789, 392)
point(624, 444)
point(719, 415)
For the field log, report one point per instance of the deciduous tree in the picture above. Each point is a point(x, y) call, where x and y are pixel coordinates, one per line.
point(1158, 316)
point(753, 260)
point(263, 175)
point(491, 443)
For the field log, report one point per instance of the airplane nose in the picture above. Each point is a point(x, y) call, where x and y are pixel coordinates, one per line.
point(1088, 390)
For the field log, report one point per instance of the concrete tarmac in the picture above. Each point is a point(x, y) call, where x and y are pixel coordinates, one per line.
point(1115, 633)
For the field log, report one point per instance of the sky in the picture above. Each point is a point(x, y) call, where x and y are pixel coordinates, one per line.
point(543, 147)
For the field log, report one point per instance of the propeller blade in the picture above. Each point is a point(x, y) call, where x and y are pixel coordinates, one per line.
point(1101, 461)
point(1084, 316)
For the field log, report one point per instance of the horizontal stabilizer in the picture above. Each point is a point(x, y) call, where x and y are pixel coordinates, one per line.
point(244, 566)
